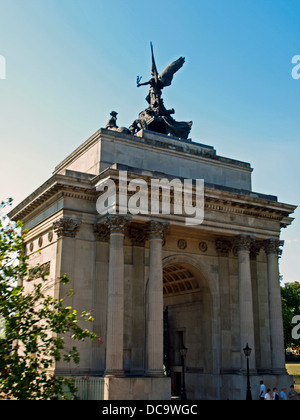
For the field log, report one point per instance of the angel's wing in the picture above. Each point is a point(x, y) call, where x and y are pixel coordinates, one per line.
point(166, 76)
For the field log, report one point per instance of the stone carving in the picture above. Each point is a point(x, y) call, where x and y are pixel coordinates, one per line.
point(156, 117)
point(117, 223)
point(156, 229)
point(203, 246)
point(50, 236)
point(181, 244)
point(223, 247)
point(255, 249)
point(235, 250)
point(39, 271)
point(66, 227)
point(101, 232)
point(244, 242)
point(112, 124)
point(272, 246)
point(138, 234)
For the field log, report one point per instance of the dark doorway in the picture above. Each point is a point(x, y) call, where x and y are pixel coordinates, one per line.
point(176, 384)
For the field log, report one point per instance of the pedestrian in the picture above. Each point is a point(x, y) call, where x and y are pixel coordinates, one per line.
point(275, 396)
point(268, 395)
point(262, 391)
point(292, 395)
point(282, 395)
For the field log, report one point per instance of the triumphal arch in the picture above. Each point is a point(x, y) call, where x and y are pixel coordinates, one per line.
point(158, 282)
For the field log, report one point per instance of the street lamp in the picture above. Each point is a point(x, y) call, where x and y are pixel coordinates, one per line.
point(247, 351)
point(183, 352)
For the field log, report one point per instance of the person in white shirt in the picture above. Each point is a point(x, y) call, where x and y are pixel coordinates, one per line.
point(262, 391)
point(268, 395)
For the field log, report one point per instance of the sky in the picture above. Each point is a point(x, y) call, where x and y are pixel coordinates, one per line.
point(69, 63)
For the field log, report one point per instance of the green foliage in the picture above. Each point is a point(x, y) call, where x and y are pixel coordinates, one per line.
point(290, 307)
point(35, 326)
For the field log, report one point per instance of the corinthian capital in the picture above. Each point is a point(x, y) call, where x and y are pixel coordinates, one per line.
point(156, 229)
point(117, 223)
point(272, 246)
point(138, 234)
point(66, 227)
point(101, 232)
point(244, 242)
point(223, 246)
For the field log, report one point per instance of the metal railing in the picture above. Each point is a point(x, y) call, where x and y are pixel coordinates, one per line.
point(89, 388)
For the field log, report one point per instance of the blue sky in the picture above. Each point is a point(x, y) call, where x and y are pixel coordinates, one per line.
point(70, 62)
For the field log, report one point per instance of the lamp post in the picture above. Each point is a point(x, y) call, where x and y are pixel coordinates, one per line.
point(183, 352)
point(247, 351)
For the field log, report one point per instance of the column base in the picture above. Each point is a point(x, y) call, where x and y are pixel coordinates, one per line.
point(114, 373)
point(279, 371)
point(139, 388)
point(252, 372)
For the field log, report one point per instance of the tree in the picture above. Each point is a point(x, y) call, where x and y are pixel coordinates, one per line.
point(35, 326)
point(290, 307)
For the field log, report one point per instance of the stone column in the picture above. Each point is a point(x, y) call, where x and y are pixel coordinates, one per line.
point(276, 323)
point(155, 334)
point(138, 235)
point(223, 247)
point(243, 243)
point(115, 304)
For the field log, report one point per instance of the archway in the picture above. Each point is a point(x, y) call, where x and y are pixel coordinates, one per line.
point(189, 321)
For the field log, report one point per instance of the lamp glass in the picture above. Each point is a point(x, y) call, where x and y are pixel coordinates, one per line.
point(247, 351)
point(183, 351)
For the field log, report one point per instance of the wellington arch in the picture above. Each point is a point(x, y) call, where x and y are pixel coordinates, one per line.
point(154, 281)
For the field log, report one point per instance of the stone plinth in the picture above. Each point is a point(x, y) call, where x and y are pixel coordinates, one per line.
point(137, 388)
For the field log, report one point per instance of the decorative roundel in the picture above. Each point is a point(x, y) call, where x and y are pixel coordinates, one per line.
point(182, 244)
point(203, 246)
point(50, 236)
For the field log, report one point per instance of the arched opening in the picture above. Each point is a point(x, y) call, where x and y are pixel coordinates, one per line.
point(178, 279)
point(187, 321)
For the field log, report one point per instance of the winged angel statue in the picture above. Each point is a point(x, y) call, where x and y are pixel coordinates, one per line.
point(156, 117)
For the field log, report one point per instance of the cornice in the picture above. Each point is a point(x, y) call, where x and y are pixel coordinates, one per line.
point(249, 205)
